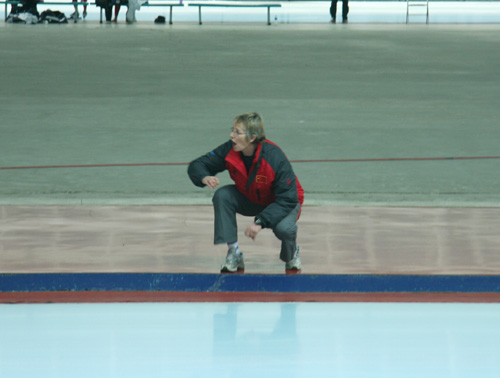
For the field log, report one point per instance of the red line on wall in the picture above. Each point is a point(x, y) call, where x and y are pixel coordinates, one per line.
point(367, 160)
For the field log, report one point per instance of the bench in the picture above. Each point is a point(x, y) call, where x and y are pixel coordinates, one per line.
point(235, 4)
point(170, 4)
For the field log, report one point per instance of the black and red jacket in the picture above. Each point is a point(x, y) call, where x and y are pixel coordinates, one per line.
point(270, 182)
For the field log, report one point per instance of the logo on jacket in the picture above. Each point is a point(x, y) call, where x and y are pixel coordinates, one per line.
point(259, 179)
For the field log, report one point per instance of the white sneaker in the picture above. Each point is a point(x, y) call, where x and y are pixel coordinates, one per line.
point(294, 263)
point(234, 262)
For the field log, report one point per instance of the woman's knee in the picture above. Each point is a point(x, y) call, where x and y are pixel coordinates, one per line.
point(285, 230)
point(223, 195)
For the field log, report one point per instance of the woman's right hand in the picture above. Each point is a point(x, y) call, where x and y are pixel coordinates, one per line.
point(210, 181)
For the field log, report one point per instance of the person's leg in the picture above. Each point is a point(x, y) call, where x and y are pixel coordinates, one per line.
point(333, 10)
point(345, 10)
point(228, 202)
point(286, 231)
point(75, 13)
point(117, 12)
point(108, 11)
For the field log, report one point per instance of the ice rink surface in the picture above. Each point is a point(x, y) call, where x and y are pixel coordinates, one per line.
point(250, 339)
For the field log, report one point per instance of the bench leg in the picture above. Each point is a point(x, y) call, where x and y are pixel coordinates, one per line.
point(170, 20)
point(199, 14)
point(269, 15)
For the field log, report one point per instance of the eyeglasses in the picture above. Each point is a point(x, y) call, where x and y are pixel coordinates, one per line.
point(236, 131)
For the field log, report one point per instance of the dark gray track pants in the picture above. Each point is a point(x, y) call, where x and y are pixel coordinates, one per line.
point(228, 202)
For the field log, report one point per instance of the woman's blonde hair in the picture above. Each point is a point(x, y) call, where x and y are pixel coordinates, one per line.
point(254, 126)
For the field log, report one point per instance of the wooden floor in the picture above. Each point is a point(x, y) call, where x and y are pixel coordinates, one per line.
point(179, 239)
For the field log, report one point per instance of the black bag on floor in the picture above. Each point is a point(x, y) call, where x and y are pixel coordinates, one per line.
point(53, 17)
point(160, 20)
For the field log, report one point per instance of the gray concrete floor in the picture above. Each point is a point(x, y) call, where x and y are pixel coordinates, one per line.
point(81, 102)
point(91, 94)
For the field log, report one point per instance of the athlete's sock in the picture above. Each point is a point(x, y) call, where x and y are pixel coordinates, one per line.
point(235, 246)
